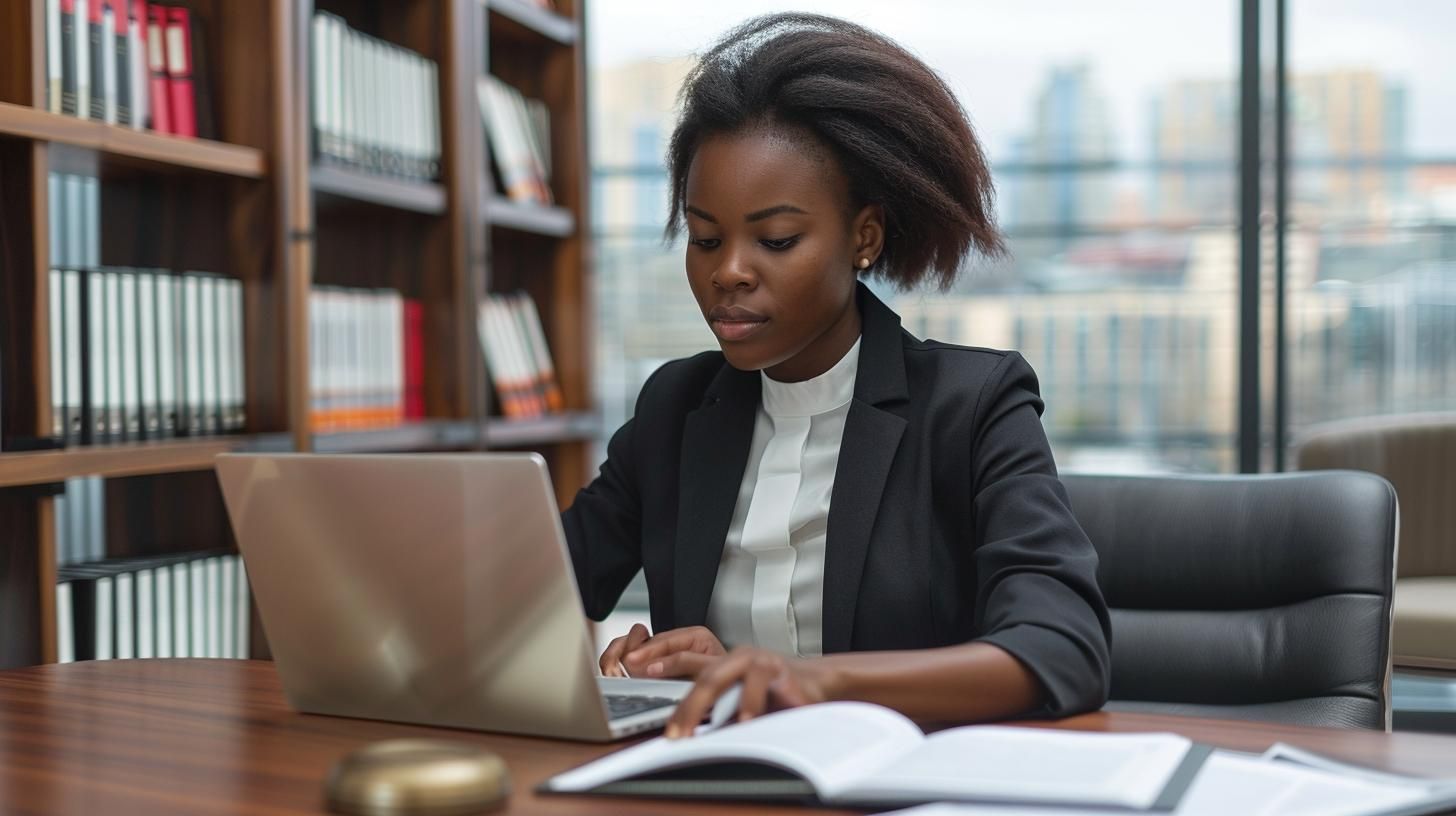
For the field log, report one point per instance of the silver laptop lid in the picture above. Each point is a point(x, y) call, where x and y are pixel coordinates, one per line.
point(431, 588)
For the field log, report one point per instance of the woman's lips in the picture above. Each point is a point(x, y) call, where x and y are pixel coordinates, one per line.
point(733, 323)
point(735, 330)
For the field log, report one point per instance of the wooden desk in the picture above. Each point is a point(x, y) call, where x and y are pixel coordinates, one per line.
point(216, 736)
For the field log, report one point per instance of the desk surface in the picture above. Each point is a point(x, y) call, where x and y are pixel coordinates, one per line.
point(217, 736)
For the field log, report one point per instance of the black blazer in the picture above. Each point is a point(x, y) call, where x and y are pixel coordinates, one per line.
point(947, 522)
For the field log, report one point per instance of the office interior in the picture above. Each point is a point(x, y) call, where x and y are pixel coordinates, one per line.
point(1202, 291)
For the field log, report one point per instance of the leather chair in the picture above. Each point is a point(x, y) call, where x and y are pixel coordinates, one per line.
point(1417, 453)
point(1247, 597)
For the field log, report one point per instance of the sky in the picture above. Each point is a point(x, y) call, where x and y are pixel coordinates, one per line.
point(995, 54)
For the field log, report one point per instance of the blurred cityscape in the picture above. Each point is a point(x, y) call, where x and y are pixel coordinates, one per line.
point(1121, 289)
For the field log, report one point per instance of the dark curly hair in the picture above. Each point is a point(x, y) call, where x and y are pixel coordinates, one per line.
point(895, 128)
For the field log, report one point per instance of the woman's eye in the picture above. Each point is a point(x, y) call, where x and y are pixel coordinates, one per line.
point(705, 243)
point(780, 244)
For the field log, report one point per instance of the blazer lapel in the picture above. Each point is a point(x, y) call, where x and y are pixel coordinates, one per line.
point(716, 438)
point(871, 437)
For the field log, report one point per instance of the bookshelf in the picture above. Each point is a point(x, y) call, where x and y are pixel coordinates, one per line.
point(256, 204)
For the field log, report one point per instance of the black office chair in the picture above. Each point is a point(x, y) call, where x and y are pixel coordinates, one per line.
point(1247, 597)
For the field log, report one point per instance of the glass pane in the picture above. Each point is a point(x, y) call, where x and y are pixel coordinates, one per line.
point(1372, 245)
point(1112, 131)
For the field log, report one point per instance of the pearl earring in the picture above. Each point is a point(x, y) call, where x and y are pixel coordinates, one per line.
point(864, 263)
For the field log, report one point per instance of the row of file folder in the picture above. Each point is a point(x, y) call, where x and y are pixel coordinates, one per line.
point(144, 354)
point(179, 605)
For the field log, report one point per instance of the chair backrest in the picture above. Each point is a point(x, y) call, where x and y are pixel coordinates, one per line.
point(1248, 597)
point(1417, 453)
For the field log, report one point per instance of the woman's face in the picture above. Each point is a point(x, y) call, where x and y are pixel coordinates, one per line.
point(772, 252)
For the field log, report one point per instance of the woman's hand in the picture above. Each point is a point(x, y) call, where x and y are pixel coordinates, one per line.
point(674, 653)
point(770, 682)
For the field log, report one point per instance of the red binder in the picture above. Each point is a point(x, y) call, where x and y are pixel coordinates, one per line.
point(179, 72)
point(414, 360)
point(161, 108)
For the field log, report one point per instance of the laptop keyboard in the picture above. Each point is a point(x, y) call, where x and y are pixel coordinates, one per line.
point(625, 705)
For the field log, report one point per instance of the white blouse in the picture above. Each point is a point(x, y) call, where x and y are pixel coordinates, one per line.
point(770, 588)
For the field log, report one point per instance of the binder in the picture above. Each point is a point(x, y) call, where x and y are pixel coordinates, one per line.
point(192, 353)
point(107, 53)
point(137, 77)
point(226, 602)
point(197, 609)
point(56, 333)
point(120, 12)
point(115, 388)
point(96, 57)
point(239, 357)
point(65, 624)
point(94, 399)
point(124, 583)
point(168, 371)
point(164, 627)
point(54, 56)
point(208, 362)
point(130, 356)
point(146, 615)
point(147, 328)
point(158, 102)
point(102, 618)
point(181, 613)
point(180, 93)
point(73, 352)
point(71, 66)
point(60, 511)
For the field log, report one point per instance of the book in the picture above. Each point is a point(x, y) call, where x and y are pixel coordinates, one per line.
point(80, 40)
point(55, 58)
point(137, 78)
point(159, 106)
point(110, 89)
point(519, 139)
point(181, 98)
point(96, 48)
point(864, 755)
point(1237, 783)
point(374, 105)
point(414, 359)
point(120, 11)
point(359, 347)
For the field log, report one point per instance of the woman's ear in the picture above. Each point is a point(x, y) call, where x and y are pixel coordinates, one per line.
point(868, 235)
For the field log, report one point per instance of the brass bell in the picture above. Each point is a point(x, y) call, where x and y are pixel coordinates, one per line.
point(412, 777)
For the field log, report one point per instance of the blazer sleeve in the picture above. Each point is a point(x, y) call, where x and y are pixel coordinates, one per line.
point(1037, 595)
point(604, 523)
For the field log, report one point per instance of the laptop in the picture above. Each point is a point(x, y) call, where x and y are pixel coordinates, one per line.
point(427, 588)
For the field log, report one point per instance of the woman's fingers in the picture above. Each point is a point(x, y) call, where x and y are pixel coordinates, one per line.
point(679, 664)
point(695, 639)
point(611, 660)
point(753, 700)
point(710, 685)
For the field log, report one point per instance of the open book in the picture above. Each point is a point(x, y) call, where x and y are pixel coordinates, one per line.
point(1283, 782)
point(869, 756)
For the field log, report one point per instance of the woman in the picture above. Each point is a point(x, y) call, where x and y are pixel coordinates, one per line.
point(829, 508)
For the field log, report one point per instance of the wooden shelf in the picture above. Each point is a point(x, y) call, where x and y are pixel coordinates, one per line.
point(414, 196)
point(130, 459)
point(518, 433)
point(433, 434)
point(539, 219)
point(521, 20)
point(156, 149)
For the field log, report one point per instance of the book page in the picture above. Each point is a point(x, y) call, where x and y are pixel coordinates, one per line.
point(1232, 783)
point(1029, 765)
point(1283, 752)
point(828, 744)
